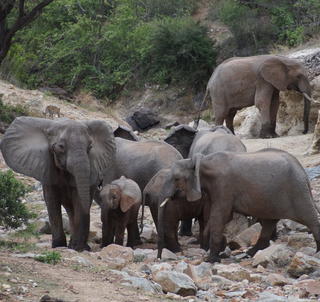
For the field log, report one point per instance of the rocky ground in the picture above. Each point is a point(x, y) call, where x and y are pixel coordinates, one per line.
point(289, 270)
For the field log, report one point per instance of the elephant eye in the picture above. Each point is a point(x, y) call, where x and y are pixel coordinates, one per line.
point(59, 148)
point(89, 148)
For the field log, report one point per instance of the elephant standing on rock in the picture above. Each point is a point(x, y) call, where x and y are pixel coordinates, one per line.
point(269, 184)
point(120, 205)
point(68, 157)
point(241, 82)
point(205, 141)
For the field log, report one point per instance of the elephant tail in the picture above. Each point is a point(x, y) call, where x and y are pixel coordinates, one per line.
point(196, 123)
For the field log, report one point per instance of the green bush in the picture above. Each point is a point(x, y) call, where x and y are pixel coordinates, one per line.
point(49, 257)
point(180, 51)
point(106, 46)
point(13, 213)
point(8, 112)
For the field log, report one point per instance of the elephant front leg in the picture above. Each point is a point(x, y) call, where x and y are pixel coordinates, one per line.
point(263, 97)
point(53, 204)
point(218, 218)
point(81, 225)
point(171, 236)
point(119, 236)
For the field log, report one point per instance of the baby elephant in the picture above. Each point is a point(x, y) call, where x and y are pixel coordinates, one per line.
point(120, 203)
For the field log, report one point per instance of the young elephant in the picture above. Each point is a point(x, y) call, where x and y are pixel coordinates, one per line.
point(166, 215)
point(269, 184)
point(120, 205)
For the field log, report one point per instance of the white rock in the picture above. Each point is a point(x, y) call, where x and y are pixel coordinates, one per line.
point(177, 283)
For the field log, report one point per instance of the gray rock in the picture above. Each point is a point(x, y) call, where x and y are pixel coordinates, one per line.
point(276, 254)
point(194, 252)
point(140, 255)
point(303, 264)
point(247, 237)
point(232, 271)
point(116, 256)
point(45, 228)
point(277, 280)
point(299, 240)
point(81, 260)
point(142, 284)
point(177, 283)
point(222, 282)
point(160, 267)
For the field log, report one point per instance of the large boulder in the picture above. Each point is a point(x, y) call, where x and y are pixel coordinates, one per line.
point(143, 119)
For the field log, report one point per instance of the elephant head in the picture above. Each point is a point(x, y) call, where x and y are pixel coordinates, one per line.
point(122, 193)
point(287, 74)
point(50, 150)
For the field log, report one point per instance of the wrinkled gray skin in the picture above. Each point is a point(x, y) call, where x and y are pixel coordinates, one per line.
point(269, 184)
point(68, 158)
point(205, 141)
point(139, 160)
point(241, 82)
point(167, 217)
point(120, 203)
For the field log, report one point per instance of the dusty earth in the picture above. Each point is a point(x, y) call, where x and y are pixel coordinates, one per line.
point(88, 276)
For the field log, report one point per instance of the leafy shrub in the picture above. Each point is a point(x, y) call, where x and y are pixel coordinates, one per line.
point(8, 112)
point(180, 51)
point(105, 46)
point(13, 213)
point(49, 257)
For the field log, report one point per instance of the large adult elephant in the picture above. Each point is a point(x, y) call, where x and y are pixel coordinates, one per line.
point(68, 157)
point(204, 141)
point(241, 82)
point(269, 184)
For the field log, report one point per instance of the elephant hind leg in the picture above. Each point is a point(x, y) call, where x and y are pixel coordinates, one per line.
point(268, 228)
point(315, 229)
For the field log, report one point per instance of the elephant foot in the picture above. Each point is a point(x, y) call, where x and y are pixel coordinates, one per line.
point(79, 247)
point(174, 249)
point(59, 242)
point(212, 259)
point(251, 252)
point(185, 233)
point(267, 131)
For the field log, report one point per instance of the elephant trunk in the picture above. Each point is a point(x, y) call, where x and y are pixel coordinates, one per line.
point(80, 169)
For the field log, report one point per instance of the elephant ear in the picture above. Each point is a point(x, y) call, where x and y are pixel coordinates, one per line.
point(195, 191)
point(130, 193)
point(25, 148)
point(102, 153)
point(275, 72)
point(125, 133)
point(181, 137)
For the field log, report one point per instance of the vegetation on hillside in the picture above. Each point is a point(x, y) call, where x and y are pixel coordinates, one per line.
point(258, 24)
point(104, 46)
point(108, 46)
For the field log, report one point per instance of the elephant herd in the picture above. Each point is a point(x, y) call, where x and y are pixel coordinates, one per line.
point(205, 174)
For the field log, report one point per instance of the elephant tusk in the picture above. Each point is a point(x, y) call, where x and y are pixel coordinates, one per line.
point(310, 99)
point(164, 202)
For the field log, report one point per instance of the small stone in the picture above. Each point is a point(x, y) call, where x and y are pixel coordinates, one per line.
point(81, 260)
point(143, 284)
point(276, 280)
point(303, 264)
point(276, 254)
point(311, 286)
point(177, 283)
point(160, 267)
point(300, 240)
point(232, 271)
point(222, 282)
point(246, 238)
